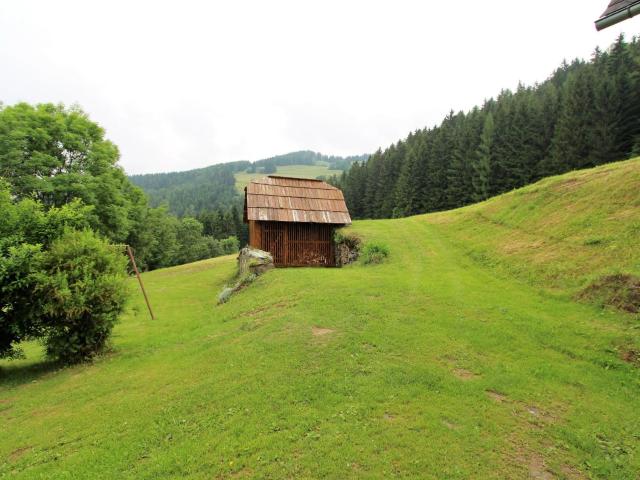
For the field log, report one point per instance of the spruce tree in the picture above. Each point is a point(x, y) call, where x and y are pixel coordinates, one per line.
point(481, 164)
point(574, 136)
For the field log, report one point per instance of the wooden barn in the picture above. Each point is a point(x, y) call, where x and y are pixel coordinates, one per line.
point(294, 219)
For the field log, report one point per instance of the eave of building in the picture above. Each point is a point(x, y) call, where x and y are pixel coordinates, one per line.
point(618, 11)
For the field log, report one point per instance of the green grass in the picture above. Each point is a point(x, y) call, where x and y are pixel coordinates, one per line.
point(460, 356)
point(562, 232)
point(299, 171)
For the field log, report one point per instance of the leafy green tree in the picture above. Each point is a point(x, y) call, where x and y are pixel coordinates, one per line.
point(56, 154)
point(161, 232)
point(192, 244)
point(269, 167)
point(20, 309)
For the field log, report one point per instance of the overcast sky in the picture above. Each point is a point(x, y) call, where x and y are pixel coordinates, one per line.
point(185, 84)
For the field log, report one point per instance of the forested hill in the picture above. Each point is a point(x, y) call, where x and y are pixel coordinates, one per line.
point(193, 191)
point(585, 114)
point(202, 190)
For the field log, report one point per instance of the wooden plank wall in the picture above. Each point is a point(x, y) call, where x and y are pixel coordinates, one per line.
point(296, 244)
point(255, 229)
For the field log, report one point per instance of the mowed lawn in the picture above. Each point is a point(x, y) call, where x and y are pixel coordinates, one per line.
point(437, 364)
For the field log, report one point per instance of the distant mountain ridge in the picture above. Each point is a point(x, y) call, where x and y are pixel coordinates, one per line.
point(191, 192)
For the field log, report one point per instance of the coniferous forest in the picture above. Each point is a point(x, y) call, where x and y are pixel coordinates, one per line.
point(585, 114)
point(204, 190)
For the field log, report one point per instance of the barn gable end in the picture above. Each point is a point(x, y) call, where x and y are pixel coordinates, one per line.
point(294, 219)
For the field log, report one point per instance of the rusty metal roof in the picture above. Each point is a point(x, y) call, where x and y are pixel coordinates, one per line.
point(286, 199)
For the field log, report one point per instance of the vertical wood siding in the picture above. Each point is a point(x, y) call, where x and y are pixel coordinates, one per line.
point(296, 244)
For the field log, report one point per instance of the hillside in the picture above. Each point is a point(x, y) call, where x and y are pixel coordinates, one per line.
point(320, 169)
point(464, 355)
point(585, 114)
point(201, 190)
point(563, 232)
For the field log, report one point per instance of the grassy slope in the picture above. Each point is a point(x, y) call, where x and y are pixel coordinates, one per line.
point(562, 232)
point(402, 386)
point(301, 171)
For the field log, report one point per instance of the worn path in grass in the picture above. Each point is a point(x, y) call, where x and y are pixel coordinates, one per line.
point(428, 366)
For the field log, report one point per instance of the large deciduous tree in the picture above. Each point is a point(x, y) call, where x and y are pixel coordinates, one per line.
point(54, 154)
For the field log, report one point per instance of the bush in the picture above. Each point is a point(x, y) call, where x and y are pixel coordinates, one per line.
point(19, 308)
point(230, 245)
point(347, 247)
point(374, 253)
point(225, 295)
point(83, 284)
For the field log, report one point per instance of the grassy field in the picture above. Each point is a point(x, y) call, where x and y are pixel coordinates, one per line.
point(562, 232)
point(463, 356)
point(300, 171)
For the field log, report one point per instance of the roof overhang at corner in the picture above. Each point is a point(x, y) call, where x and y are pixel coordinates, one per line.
point(618, 11)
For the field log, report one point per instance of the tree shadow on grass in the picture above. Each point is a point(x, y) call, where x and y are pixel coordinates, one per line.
point(21, 373)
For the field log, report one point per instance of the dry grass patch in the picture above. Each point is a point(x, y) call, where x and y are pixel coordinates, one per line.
point(621, 291)
point(320, 332)
point(630, 356)
point(18, 453)
point(496, 396)
point(464, 374)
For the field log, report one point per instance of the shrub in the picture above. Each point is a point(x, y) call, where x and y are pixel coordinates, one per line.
point(19, 308)
point(225, 295)
point(193, 244)
point(347, 247)
point(230, 245)
point(215, 247)
point(84, 288)
point(374, 253)
point(342, 237)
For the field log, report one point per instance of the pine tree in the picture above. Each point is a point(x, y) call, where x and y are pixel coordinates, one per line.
point(585, 114)
point(622, 72)
point(458, 175)
point(482, 162)
point(405, 193)
point(574, 137)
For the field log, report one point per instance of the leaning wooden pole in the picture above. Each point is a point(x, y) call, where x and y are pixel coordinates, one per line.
point(135, 269)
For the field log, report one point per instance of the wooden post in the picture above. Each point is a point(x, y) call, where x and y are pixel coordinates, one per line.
point(135, 269)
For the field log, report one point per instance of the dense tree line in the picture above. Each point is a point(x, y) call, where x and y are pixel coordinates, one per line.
point(585, 114)
point(200, 191)
point(305, 157)
point(192, 192)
